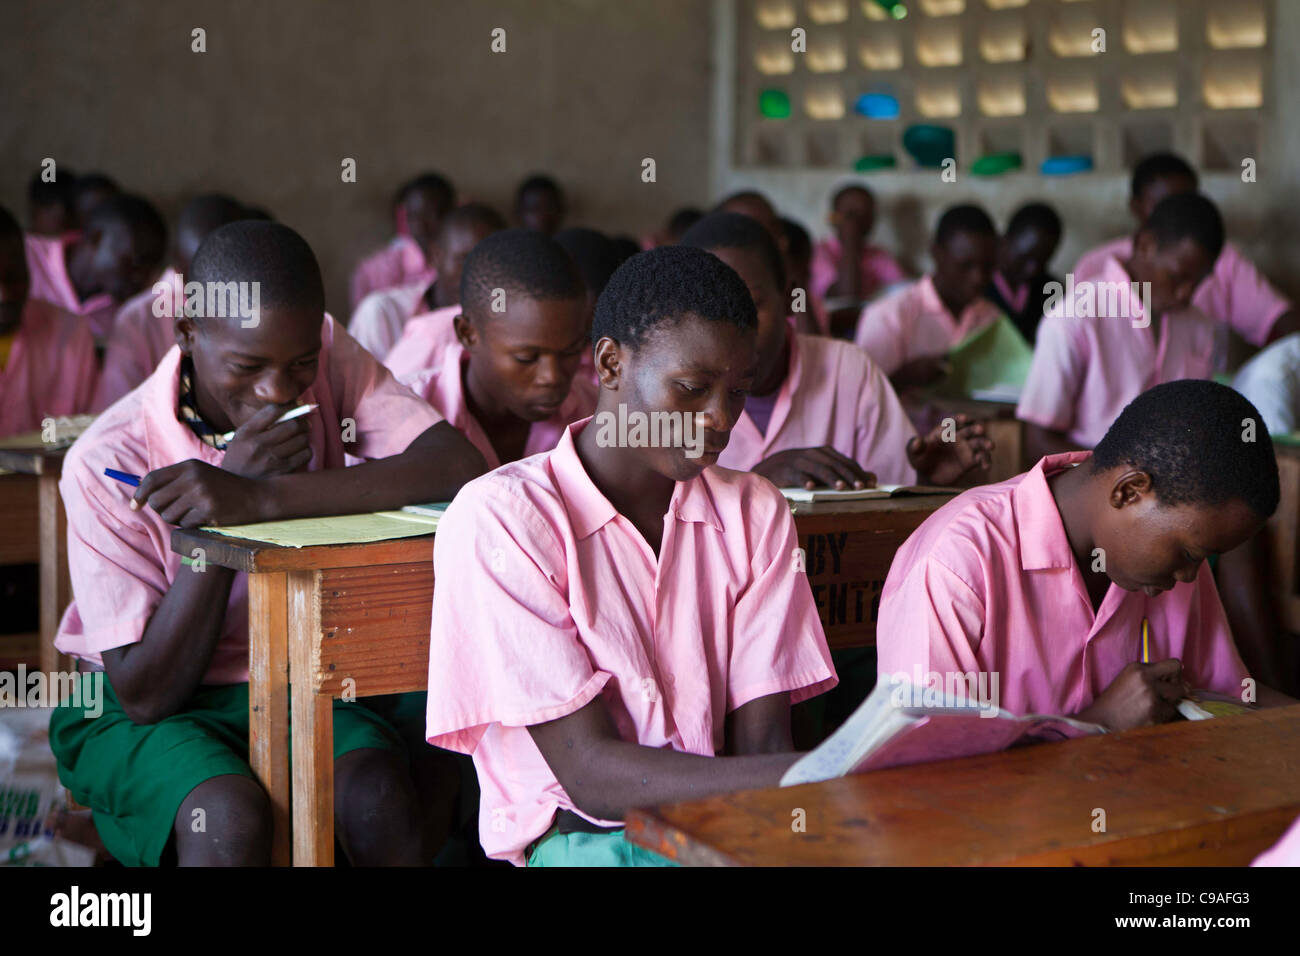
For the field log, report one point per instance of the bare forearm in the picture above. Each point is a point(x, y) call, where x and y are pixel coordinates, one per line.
point(154, 678)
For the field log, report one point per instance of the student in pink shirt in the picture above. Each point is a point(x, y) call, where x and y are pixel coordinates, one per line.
point(380, 319)
point(650, 631)
point(820, 412)
point(141, 337)
point(92, 273)
point(1101, 346)
point(420, 207)
point(1021, 282)
point(846, 268)
point(1234, 292)
point(910, 331)
point(508, 381)
point(173, 645)
point(540, 205)
point(1044, 580)
point(806, 313)
point(47, 355)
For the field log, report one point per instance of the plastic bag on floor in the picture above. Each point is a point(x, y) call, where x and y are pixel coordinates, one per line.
point(32, 800)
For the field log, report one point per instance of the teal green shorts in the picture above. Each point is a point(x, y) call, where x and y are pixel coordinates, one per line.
point(134, 777)
point(593, 849)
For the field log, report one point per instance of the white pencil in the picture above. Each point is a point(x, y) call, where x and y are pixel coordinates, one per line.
point(287, 416)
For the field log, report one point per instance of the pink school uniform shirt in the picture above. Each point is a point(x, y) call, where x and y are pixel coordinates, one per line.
point(878, 269)
point(443, 388)
point(581, 606)
point(1085, 370)
point(51, 283)
point(139, 341)
point(1235, 292)
point(51, 368)
point(1286, 852)
point(989, 584)
point(121, 562)
point(401, 262)
point(833, 394)
point(912, 323)
point(378, 321)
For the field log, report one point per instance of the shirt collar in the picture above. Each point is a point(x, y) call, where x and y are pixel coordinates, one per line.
point(1043, 543)
point(589, 510)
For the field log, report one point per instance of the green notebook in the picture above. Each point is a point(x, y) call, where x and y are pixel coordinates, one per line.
point(995, 357)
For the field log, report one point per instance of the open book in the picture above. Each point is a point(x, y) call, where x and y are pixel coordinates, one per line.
point(994, 357)
point(864, 494)
point(890, 730)
point(1206, 704)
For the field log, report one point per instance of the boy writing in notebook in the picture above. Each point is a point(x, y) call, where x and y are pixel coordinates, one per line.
point(173, 642)
point(910, 331)
point(93, 272)
point(144, 329)
point(1127, 326)
point(47, 355)
point(382, 317)
point(1046, 579)
point(507, 382)
point(1234, 293)
point(820, 412)
point(658, 631)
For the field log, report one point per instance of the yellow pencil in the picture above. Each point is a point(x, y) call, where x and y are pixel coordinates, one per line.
point(1146, 647)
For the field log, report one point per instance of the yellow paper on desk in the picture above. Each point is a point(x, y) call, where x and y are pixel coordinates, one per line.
point(996, 356)
point(338, 529)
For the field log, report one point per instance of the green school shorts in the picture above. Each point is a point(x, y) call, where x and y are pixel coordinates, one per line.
point(134, 777)
point(593, 849)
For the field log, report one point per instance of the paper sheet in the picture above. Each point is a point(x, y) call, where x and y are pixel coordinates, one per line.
point(996, 356)
point(339, 529)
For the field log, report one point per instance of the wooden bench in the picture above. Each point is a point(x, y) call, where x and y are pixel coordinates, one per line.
point(1213, 792)
point(355, 619)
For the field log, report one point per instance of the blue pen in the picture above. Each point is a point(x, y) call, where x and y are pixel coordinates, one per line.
point(133, 480)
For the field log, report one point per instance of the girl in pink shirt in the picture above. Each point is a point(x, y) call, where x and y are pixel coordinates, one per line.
point(645, 615)
point(173, 644)
point(1045, 581)
point(47, 355)
point(508, 381)
point(846, 269)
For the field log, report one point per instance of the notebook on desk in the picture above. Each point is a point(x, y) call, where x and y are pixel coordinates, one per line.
point(864, 494)
point(336, 529)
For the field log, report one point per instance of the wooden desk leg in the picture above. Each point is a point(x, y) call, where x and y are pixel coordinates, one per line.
point(268, 699)
point(313, 729)
point(55, 588)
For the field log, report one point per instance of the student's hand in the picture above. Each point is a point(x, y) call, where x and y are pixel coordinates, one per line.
point(261, 448)
point(941, 462)
point(811, 467)
point(1142, 694)
point(922, 371)
point(193, 493)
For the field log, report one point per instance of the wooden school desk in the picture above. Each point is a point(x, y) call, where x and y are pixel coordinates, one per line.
point(320, 617)
point(1212, 792)
point(33, 529)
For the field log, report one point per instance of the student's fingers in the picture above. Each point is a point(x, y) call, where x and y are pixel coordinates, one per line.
point(812, 469)
point(162, 494)
point(287, 449)
point(298, 460)
point(262, 420)
point(286, 430)
point(849, 471)
point(150, 483)
point(1166, 678)
point(174, 510)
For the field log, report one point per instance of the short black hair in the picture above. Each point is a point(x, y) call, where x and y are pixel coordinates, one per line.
point(521, 262)
point(743, 194)
point(268, 253)
point(967, 218)
point(136, 214)
point(439, 185)
point(682, 220)
point(1188, 436)
point(9, 228)
point(538, 182)
point(732, 230)
point(594, 255)
point(210, 211)
point(1187, 216)
point(56, 193)
point(798, 243)
point(1035, 215)
point(472, 214)
point(1159, 166)
point(851, 188)
point(664, 285)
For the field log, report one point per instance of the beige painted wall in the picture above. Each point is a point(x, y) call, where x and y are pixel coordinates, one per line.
point(1260, 216)
point(287, 88)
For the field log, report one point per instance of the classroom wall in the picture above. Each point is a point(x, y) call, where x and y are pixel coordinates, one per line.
point(586, 90)
point(1260, 216)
